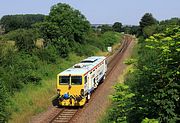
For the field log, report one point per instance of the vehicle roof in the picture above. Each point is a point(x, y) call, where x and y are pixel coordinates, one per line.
point(84, 66)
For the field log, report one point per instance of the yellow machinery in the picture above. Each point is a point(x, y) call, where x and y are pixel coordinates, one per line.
point(75, 85)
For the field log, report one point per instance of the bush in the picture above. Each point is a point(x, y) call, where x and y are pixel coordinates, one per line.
point(18, 68)
point(154, 83)
point(94, 39)
point(4, 114)
point(104, 40)
point(62, 46)
point(110, 38)
point(86, 50)
point(48, 54)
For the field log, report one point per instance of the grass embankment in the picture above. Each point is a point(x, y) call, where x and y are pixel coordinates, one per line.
point(33, 99)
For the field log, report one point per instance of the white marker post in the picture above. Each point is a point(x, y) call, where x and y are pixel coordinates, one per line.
point(109, 49)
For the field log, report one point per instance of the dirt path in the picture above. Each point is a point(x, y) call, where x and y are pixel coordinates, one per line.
point(99, 102)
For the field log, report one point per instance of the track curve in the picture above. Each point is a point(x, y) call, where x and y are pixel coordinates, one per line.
point(68, 114)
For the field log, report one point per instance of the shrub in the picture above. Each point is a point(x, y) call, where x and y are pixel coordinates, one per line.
point(48, 54)
point(4, 114)
point(18, 68)
point(87, 50)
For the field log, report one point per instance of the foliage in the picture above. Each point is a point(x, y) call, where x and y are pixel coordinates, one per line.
point(160, 68)
point(117, 27)
point(24, 39)
point(17, 68)
point(147, 20)
point(166, 86)
point(109, 38)
point(146, 120)
point(48, 54)
point(13, 22)
point(67, 39)
point(95, 39)
point(62, 46)
point(150, 30)
point(172, 21)
point(122, 103)
point(34, 99)
point(87, 50)
point(154, 84)
point(65, 22)
point(105, 28)
point(134, 30)
point(4, 97)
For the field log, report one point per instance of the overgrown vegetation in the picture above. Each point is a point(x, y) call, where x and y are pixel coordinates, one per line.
point(151, 91)
point(4, 98)
point(28, 71)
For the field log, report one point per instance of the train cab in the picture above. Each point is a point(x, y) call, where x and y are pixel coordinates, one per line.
point(76, 84)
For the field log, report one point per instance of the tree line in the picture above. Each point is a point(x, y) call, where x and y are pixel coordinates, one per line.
point(13, 22)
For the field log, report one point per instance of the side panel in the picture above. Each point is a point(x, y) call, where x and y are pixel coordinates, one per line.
point(96, 75)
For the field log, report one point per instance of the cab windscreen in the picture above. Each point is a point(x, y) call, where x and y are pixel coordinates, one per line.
point(76, 80)
point(64, 80)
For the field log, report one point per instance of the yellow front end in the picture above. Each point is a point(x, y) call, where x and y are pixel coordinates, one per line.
point(71, 90)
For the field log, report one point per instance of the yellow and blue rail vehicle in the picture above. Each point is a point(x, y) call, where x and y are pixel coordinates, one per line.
point(75, 85)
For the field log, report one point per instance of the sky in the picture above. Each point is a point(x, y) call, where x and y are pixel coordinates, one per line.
point(128, 12)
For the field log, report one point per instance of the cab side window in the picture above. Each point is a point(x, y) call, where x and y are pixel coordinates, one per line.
point(85, 79)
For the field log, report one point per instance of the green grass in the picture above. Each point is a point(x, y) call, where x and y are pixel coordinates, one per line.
point(33, 99)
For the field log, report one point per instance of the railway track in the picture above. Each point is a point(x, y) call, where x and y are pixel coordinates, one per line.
point(65, 115)
point(112, 62)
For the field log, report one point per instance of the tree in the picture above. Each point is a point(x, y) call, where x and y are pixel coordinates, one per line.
point(153, 91)
point(150, 30)
point(117, 27)
point(65, 22)
point(147, 20)
point(156, 82)
point(13, 22)
point(105, 28)
point(126, 29)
